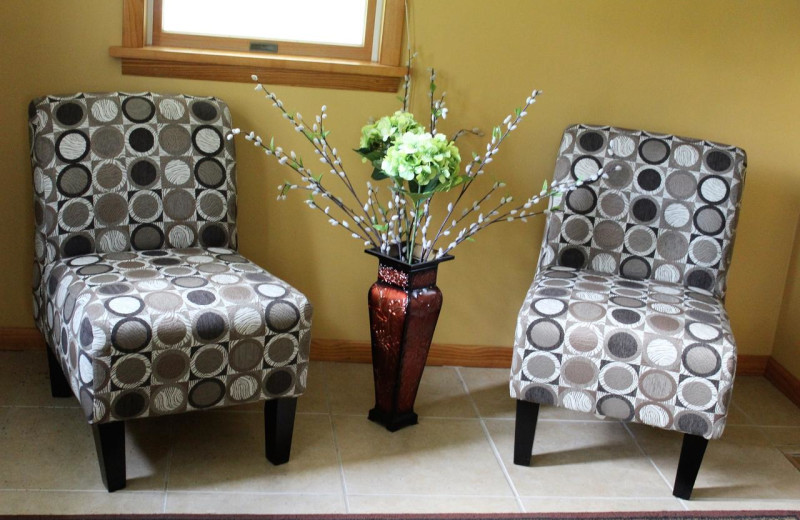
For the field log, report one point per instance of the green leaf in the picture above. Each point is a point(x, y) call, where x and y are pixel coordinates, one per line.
point(272, 144)
point(378, 174)
point(381, 227)
point(419, 197)
point(431, 186)
point(544, 186)
point(469, 239)
point(318, 178)
point(517, 112)
point(496, 132)
point(371, 155)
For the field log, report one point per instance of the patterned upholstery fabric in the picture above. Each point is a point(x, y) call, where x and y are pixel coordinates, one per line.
point(625, 316)
point(138, 287)
point(669, 213)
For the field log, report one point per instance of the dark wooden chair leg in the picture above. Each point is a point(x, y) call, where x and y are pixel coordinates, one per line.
point(109, 441)
point(524, 431)
point(278, 428)
point(59, 386)
point(692, 451)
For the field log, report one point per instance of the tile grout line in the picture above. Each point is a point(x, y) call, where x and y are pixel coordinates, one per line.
point(492, 445)
point(745, 414)
point(336, 442)
point(169, 464)
point(652, 462)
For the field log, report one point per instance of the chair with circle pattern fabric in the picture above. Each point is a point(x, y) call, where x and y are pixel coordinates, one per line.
point(145, 304)
point(625, 316)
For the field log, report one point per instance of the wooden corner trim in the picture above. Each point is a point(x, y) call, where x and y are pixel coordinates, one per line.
point(783, 380)
point(133, 24)
point(21, 338)
point(392, 34)
point(276, 70)
point(751, 365)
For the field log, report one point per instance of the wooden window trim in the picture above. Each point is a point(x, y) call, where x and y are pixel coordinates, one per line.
point(362, 52)
point(140, 59)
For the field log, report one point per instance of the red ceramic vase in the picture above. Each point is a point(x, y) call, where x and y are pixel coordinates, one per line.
point(404, 305)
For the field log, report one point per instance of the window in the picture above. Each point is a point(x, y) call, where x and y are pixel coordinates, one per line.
point(340, 29)
point(352, 44)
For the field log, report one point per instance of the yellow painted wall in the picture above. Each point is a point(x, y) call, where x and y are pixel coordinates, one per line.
point(724, 70)
point(787, 339)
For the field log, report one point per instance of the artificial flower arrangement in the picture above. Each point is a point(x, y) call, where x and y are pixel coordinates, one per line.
point(418, 163)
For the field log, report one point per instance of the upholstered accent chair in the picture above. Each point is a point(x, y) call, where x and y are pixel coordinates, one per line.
point(625, 316)
point(145, 304)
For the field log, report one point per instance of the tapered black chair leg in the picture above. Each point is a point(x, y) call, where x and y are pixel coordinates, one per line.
point(692, 451)
point(524, 431)
point(109, 441)
point(59, 386)
point(278, 428)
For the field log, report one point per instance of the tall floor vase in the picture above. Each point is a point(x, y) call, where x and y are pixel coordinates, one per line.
point(404, 305)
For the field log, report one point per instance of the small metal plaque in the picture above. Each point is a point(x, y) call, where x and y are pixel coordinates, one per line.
point(263, 47)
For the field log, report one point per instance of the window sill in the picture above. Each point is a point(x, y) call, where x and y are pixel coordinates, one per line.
point(210, 65)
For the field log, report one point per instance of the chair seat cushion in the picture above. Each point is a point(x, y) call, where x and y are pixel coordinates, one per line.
point(642, 351)
point(167, 331)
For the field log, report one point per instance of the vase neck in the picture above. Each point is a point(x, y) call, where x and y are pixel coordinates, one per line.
point(407, 279)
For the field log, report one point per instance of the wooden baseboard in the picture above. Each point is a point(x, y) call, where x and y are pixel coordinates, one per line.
point(21, 338)
point(440, 354)
point(28, 338)
point(783, 380)
point(751, 365)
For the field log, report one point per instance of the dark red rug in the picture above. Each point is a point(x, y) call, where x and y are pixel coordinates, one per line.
point(666, 515)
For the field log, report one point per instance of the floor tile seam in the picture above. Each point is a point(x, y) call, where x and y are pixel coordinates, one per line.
point(254, 412)
point(432, 495)
point(652, 462)
point(65, 490)
point(171, 438)
point(734, 499)
point(745, 414)
point(604, 497)
point(492, 445)
point(541, 420)
point(342, 478)
point(43, 406)
point(420, 416)
point(253, 493)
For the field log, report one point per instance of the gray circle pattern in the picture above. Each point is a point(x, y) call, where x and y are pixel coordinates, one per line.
point(625, 315)
point(101, 149)
point(675, 201)
point(173, 342)
point(138, 285)
point(630, 355)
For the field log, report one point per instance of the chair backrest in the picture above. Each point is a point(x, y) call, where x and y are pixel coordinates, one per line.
point(669, 212)
point(120, 172)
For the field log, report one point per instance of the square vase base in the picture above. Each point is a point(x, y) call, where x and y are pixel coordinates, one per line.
point(391, 420)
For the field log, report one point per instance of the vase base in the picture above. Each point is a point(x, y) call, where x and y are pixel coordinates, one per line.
point(392, 421)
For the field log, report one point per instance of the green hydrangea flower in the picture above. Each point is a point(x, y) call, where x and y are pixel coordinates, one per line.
point(422, 157)
point(381, 134)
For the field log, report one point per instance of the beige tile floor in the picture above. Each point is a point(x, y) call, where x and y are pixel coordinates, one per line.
point(458, 459)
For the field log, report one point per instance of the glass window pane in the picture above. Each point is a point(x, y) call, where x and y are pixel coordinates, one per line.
point(327, 22)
